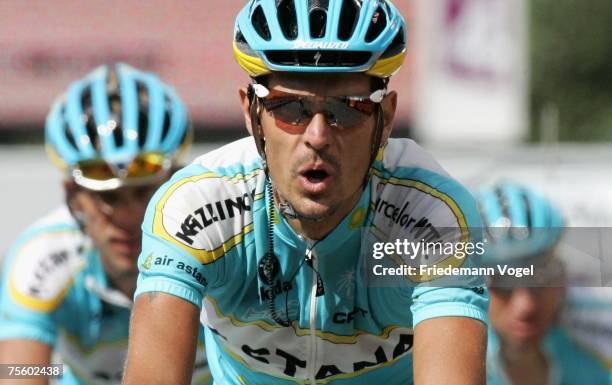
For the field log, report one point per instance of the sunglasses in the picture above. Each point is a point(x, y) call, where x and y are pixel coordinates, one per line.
point(99, 175)
point(292, 110)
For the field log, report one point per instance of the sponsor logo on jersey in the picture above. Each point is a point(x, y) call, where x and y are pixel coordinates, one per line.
point(290, 363)
point(348, 316)
point(413, 210)
point(207, 214)
point(282, 352)
point(193, 271)
point(44, 268)
point(419, 226)
point(271, 292)
point(210, 213)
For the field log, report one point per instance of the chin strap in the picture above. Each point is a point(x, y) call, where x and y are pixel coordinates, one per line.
point(376, 141)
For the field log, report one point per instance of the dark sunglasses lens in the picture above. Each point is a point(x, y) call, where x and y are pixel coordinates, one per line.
point(339, 112)
point(146, 165)
point(95, 169)
point(294, 111)
point(346, 115)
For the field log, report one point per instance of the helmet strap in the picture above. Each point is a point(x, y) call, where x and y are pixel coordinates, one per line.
point(376, 141)
point(257, 130)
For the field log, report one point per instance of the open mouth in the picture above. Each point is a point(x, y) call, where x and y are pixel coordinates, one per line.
point(126, 245)
point(316, 180)
point(316, 176)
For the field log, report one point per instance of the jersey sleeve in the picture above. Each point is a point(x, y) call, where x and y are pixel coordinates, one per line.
point(189, 225)
point(37, 275)
point(462, 294)
point(430, 210)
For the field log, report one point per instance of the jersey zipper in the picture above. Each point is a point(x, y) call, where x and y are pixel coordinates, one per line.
point(313, 315)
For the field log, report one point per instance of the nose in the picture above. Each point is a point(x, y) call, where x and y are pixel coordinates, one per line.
point(128, 213)
point(525, 301)
point(318, 133)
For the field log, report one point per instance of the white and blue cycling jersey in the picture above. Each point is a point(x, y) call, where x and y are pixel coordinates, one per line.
point(54, 290)
point(306, 314)
point(588, 319)
point(569, 363)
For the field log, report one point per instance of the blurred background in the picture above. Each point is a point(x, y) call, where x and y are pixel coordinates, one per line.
point(494, 88)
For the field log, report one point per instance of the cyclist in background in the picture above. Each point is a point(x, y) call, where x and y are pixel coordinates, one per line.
point(527, 344)
point(266, 238)
point(69, 279)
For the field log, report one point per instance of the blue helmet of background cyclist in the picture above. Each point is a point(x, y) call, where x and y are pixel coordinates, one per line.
point(116, 126)
point(520, 224)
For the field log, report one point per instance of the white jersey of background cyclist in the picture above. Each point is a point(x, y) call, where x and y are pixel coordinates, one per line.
point(54, 290)
point(205, 234)
point(588, 318)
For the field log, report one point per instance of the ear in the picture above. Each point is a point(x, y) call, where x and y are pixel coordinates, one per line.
point(389, 105)
point(245, 103)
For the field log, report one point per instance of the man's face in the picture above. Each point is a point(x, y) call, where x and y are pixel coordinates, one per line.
point(112, 220)
point(317, 168)
point(523, 316)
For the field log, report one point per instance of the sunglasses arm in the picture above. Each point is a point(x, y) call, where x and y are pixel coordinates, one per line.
point(257, 131)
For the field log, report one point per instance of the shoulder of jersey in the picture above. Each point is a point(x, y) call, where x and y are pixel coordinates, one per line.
point(240, 153)
point(44, 261)
point(208, 206)
point(413, 192)
point(406, 153)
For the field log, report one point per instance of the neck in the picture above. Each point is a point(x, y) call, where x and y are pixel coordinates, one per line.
point(521, 353)
point(525, 364)
point(126, 285)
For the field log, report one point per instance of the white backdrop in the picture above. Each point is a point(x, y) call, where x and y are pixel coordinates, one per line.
point(577, 177)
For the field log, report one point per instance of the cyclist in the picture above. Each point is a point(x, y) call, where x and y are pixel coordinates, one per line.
point(527, 344)
point(69, 279)
point(267, 236)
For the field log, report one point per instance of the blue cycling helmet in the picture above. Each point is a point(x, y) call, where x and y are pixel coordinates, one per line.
point(115, 114)
point(520, 224)
point(366, 36)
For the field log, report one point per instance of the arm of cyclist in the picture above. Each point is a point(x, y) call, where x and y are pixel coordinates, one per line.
point(450, 350)
point(163, 337)
point(21, 351)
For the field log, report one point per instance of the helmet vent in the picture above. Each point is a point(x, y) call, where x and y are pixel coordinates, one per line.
point(143, 112)
point(239, 38)
point(348, 19)
point(378, 24)
point(261, 24)
point(67, 129)
point(88, 115)
point(503, 202)
point(316, 58)
point(397, 45)
point(114, 102)
point(318, 23)
point(527, 208)
point(287, 18)
point(166, 123)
